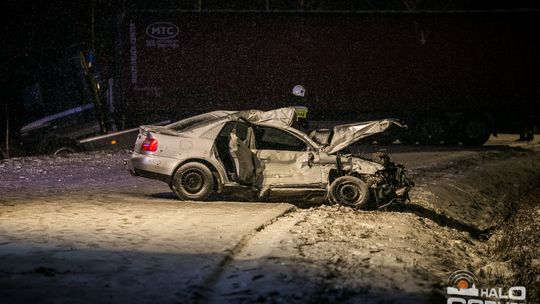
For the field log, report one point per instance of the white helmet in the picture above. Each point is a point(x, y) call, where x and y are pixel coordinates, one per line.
point(299, 90)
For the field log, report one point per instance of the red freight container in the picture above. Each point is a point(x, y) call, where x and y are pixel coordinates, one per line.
point(436, 71)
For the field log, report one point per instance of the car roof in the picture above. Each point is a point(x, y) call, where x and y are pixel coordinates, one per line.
point(203, 123)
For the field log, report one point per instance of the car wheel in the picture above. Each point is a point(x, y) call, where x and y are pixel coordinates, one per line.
point(193, 181)
point(64, 150)
point(62, 147)
point(350, 191)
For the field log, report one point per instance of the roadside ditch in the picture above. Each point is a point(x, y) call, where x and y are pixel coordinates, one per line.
point(479, 214)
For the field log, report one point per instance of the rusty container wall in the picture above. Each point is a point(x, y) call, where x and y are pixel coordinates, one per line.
point(176, 64)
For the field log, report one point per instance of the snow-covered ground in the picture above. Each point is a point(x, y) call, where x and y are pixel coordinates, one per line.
point(80, 229)
point(474, 210)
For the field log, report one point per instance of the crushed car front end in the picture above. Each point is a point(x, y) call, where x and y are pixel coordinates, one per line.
point(386, 182)
point(392, 184)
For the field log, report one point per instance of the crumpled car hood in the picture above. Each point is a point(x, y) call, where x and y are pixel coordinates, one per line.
point(345, 135)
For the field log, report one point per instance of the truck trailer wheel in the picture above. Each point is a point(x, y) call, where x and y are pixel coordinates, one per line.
point(193, 181)
point(430, 131)
point(350, 191)
point(475, 131)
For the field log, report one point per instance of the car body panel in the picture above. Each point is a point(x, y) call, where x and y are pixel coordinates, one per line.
point(277, 117)
point(359, 165)
point(283, 168)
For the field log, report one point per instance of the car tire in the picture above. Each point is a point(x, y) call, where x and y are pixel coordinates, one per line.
point(62, 147)
point(193, 181)
point(64, 150)
point(350, 191)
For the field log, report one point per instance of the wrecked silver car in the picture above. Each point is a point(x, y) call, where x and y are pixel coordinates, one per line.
point(262, 156)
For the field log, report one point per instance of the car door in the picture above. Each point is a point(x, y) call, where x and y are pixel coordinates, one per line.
point(287, 159)
point(232, 146)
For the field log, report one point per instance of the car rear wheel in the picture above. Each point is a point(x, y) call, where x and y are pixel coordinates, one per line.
point(349, 191)
point(193, 181)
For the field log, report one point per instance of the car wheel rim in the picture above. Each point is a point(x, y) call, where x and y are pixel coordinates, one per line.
point(192, 181)
point(348, 193)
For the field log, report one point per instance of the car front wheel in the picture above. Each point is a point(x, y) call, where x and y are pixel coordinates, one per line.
point(350, 191)
point(192, 181)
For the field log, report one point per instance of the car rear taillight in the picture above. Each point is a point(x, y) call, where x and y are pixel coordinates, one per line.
point(150, 145)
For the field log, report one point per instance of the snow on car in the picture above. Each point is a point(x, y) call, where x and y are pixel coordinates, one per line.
point(263, 156)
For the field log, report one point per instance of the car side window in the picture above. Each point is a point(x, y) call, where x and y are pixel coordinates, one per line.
point(241, 130)
point(267, 138)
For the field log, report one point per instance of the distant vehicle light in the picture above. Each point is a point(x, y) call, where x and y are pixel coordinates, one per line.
point(150, 145)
